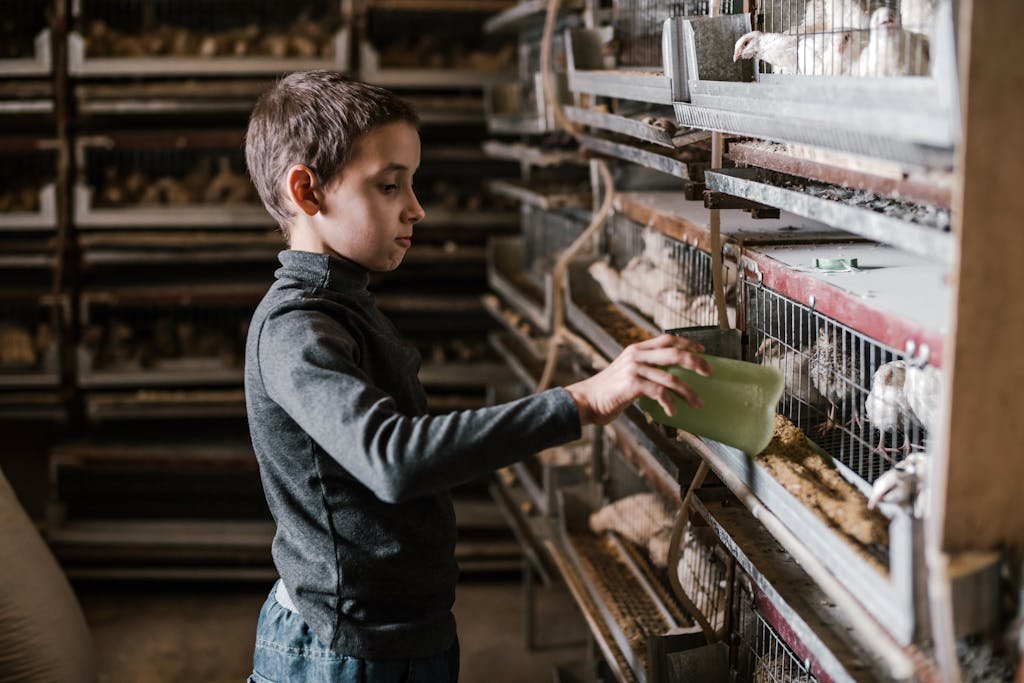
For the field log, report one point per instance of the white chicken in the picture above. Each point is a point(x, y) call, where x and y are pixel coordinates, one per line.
point(819, 54)
point(795, 367)
point(923, 388)
point(886, 406)
point(892, 50)
point(640, 283)
point(827, 42)
point(918, 15)
point(834, 367)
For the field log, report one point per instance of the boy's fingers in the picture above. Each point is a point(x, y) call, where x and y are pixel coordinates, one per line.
point(666, 380)
point(669, 340)
point(674, 356)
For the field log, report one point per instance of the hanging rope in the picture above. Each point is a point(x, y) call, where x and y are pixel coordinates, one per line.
point(558, 274)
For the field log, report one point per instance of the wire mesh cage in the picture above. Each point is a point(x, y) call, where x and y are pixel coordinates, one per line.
point(28, 190)
point(129, 176)
point(209, 28)
point(866, 38)
point(455, 41)
point(23, 23)
point(29, 342)
point(161, 344)
point(666, 280)
point(546, 234)
point(638, 27)
point(762, 656)
point(850, 394)
point(705, 572)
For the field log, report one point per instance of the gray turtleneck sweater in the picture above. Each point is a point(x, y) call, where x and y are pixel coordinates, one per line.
point(355, 472)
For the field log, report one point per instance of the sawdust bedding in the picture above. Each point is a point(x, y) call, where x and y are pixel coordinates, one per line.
point(815, 482)
point(614, 323)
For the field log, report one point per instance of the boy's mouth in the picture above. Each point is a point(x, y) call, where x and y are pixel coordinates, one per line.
point(404, 241)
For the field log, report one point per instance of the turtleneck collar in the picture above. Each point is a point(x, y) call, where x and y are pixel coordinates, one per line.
point(321, 270)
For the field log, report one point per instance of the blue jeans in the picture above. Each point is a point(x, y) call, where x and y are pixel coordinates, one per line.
point(287, 651)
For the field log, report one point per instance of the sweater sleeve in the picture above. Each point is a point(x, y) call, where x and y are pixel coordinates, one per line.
point(308, 365)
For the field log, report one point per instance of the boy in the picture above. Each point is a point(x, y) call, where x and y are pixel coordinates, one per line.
point(355, 472)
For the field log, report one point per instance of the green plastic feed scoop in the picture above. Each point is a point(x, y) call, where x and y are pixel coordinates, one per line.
point(739, 403)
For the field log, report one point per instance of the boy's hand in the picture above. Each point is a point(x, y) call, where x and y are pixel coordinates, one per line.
point(636, 373)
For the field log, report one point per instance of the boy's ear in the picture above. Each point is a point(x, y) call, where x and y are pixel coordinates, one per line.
point(303, 189)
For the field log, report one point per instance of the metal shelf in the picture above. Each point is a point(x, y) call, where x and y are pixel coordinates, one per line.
point(548, 197)
point(692, 171)
point(515, 17)
point(879, 177)
point(439, 217)
point(506, 276)
point(371, 71)
point(532, 155)
point(82, 65)
point(769, 188)
point(690, 222)
point(167, 216)
point(629, 126)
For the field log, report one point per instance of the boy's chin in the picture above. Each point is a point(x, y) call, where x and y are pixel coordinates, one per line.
point(389, 266)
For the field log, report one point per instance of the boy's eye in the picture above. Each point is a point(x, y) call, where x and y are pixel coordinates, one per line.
point(389, 188)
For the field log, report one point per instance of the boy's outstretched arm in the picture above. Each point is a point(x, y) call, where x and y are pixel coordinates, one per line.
point(636, 372)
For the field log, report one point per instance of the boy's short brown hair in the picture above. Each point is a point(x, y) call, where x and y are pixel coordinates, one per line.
point(312, 118)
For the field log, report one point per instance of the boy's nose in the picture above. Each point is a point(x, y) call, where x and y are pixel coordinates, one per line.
point(415, 212)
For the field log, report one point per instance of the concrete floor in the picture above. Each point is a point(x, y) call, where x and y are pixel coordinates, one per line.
point(156, 633)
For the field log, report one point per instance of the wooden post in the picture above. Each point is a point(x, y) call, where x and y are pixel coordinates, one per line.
point(978, 494)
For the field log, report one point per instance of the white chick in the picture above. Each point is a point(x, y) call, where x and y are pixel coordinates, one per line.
point(891, 50)
point(923, 388)
point(833, 370)
point(886, 406)
point(607, 277)
point(901, 484)
point(795, 367)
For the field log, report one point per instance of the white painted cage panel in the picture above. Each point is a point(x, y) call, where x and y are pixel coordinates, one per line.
point(850, 394)
point(667, 281)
